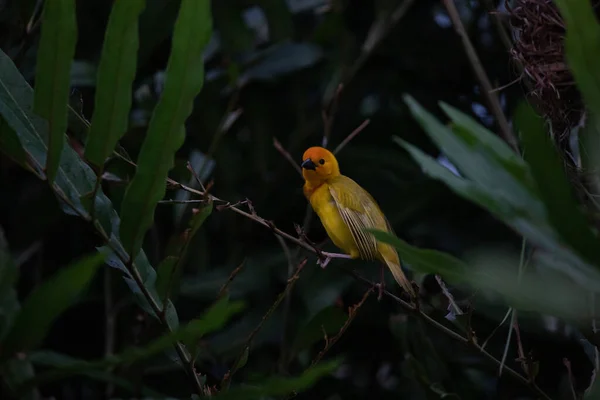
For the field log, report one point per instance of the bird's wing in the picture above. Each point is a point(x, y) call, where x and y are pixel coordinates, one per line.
point(359, 211)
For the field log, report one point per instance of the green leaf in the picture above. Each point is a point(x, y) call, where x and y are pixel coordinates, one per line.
point(546, 166)
point(114, 81)
point(477, 159)
point(11, 146)
point(75, 179)
point(62, 365)
point(184, 80)
point(589, 150)
point(497, 184)
point(52, 80)
point(213, 319)
point(16, 99)
point(9, 302)
point(14, 373)
point(329, 320)
point(38, 312)
point(582, 43)
point(164, 275)
point(278, 386)
point(426, 261)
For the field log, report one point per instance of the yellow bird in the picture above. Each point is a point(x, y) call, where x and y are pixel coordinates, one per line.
point(345, 209)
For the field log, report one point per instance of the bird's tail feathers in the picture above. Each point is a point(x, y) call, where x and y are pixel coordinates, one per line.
point(399, 276)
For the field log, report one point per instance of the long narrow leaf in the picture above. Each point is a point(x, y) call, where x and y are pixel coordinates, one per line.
point(582, 45)
point(115, 77)
point(52, 80)
point(546, 167)
point(47, 302)
point(184, 80)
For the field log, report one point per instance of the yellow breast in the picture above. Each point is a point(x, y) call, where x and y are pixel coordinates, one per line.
point(323, 204)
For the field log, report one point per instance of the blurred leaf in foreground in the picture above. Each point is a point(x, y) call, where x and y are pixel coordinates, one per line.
point(278, 386)
point(47, 302)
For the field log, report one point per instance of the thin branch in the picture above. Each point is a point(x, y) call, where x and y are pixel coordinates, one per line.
point(232, 276)
point(287, 301)
point(246, 348)
point(286, 155)
point(484, 81)
point(352, 312)
point(351, 136)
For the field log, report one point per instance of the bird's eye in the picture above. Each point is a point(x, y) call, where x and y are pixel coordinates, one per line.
point(321, 161)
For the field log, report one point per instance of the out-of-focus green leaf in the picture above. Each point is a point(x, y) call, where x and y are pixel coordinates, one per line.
point(213, 319)
point(52, 80)
point(15, 96)
point(156, 24)
point(582, 42)
point(498, 186)
point(115, 78)
point(589, 150)
point(427, 261)
point(235, 35)
point(563, 211)
point(11, 146)
point(184, 80)
point(278, 386)
point(15, 372)
point(279, 19)
point(280, 60)
point(9, 302)
point(473, 158)
point(164, 275)
point(38, 312)
point(62, 364)
point(329, 321)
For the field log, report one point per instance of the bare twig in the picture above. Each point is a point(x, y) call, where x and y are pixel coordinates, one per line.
point(246, 348)
point(232, 276)
point(351, 136)
point(452, 304)
point(286, 155)
point(352, 311)
point(484, 81)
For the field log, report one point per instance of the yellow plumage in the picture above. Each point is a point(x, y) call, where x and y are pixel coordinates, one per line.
point(345, 210)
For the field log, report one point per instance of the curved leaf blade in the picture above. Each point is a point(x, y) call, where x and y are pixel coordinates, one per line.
point(52, 80)
point(582, 44)
point(37, 313)
point(556, 192)
point(116, 73)
point(184, 80)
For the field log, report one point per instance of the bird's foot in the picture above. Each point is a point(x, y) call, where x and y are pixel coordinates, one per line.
point(323, 261)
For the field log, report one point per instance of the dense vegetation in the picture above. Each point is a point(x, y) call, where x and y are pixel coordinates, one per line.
point(155, 241)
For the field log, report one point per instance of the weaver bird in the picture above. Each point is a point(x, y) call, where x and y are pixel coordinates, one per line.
point(345, 210)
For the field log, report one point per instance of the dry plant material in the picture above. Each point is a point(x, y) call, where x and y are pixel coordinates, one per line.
point(539, 31)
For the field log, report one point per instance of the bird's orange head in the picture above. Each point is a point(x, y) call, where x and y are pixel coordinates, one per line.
point(319, 165)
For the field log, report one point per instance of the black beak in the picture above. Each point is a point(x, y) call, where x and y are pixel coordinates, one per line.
point(308, 164)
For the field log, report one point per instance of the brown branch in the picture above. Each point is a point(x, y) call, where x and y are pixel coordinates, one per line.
point(351, 136)
point(246, 348)
point(286, 155)
point(481, 75)
point(352, 311)
point(232, 276)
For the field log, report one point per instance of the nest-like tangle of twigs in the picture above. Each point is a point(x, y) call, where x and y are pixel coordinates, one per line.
point(539, 48)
